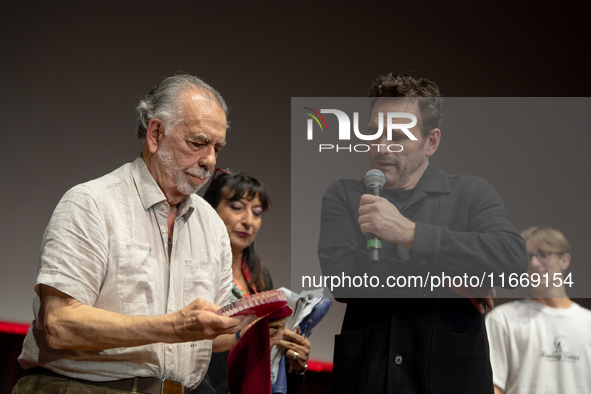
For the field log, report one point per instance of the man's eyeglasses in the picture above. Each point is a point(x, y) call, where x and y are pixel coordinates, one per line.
point(541, 255)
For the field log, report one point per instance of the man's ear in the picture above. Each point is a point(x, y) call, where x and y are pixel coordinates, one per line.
point(564, 261)
point(432, 142)
point(154, 134)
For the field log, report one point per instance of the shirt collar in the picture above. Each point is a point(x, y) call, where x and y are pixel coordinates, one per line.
point(434, 180)
point(151, 194)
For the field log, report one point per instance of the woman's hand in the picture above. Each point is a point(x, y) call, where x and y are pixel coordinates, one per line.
point(297, 350)
point(277, 331)
point(276, 328)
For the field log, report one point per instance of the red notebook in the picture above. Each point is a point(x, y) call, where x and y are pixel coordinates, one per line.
point(249, 362)
point(260, 304)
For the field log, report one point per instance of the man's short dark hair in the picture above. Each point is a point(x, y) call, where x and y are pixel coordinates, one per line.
point(404, 85)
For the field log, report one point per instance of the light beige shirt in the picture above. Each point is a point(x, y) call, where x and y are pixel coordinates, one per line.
point(106, 245)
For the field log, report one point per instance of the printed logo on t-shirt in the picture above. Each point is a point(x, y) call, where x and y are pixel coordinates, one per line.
point(561, 351)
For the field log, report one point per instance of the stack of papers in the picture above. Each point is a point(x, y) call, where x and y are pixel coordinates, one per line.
point(304, 306)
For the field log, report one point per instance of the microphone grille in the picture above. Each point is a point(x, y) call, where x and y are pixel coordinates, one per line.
point(375, 177)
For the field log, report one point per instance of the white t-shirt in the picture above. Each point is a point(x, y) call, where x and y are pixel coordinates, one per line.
point(539, 349)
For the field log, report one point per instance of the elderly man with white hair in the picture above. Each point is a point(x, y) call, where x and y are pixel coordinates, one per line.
point(134, 264)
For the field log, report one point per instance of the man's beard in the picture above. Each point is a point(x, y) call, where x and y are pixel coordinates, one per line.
point(404, 170)
point(181, 180)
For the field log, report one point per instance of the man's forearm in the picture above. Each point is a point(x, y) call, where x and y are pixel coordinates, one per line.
point(106, 330)
point(223, 343)
point(498, 390)
point(69, 324)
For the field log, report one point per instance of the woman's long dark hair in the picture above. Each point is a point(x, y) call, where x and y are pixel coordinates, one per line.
point(234, 187)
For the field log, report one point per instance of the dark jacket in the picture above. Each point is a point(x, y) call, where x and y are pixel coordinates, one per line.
point(411, 339)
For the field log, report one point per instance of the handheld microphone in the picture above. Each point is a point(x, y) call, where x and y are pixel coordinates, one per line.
point(374, 180)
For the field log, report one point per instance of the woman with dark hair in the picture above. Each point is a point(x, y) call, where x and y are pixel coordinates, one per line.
point(240, 200)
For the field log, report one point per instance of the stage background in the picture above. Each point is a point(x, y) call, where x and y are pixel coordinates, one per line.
point(71, 75)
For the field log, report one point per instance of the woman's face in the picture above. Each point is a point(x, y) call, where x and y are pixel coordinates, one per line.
point(242, 219)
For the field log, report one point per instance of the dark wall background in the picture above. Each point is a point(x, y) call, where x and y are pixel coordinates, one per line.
point(71, 75)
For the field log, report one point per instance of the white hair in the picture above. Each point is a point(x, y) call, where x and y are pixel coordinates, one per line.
point(165, 99)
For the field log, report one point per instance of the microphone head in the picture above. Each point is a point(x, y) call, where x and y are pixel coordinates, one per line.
point(375, 178)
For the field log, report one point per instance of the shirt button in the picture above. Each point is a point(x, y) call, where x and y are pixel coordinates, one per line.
point(170, 348)
point(164, 231)
point(163, 207)
point(423, 262)
point(170, 309)
point(398, 359)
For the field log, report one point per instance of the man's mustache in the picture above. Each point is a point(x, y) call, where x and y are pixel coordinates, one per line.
point(201, 173)
point(385, 159)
